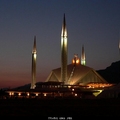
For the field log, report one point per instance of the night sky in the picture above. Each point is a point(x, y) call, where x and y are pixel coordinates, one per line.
point(92, 23)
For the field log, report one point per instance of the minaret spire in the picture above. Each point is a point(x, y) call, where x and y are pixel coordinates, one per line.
point(64, 52)
point(64, 29)
point(34, 56)
point(83, 62)
point(34, 45)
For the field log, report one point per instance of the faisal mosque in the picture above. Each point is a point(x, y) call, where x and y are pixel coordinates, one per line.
point(75, 79)
point(76, 73)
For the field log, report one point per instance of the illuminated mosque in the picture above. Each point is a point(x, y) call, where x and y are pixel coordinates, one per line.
point(75, 79)
point(76, 73)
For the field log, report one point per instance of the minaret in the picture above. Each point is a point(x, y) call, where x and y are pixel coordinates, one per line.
point(83, 62)
point(34, 56)
point(64, 52)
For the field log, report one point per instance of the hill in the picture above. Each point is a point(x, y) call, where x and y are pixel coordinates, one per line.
point(111, 73)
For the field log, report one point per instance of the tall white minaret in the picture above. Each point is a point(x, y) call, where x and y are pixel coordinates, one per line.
point(64, 53)
point(34, 56)
point(83, 62)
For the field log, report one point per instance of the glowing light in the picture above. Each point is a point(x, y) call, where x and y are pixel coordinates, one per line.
point(35, 55)
point(83, 62)
point(28, 94)
point(76, 60)
point(45, 94)
point(69, 86)
point(64, 33)
point(72, 89)
point(36, 94)
point(64, 42)
point(19, 94)
point(97, 93)
point(75, 94)
point(98, 85)
point(11, 93)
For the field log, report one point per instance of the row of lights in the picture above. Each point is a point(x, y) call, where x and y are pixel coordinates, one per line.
point(36, 94)
point(28, 94)
point(98, 85)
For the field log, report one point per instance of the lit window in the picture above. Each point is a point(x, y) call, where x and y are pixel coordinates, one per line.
point(75, 94)
point(45, 94)
point(36, 94)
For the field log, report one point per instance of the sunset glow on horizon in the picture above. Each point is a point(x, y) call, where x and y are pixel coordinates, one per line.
point(94, 24)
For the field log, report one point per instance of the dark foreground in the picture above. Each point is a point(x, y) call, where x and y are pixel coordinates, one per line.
point(56, 108)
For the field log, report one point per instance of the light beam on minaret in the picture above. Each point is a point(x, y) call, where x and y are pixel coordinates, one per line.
point(34, 56)
point(83, 62)
point(64, 52)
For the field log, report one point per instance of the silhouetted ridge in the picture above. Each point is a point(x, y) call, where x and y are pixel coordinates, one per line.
point(111, 73)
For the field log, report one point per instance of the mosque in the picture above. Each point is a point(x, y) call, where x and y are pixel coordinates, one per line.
point(75, 79)
point(76, 73)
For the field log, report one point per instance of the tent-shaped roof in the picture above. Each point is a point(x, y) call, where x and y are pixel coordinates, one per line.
point(77, 74)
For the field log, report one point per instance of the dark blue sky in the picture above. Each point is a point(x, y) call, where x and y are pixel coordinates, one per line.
point(94, 23)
